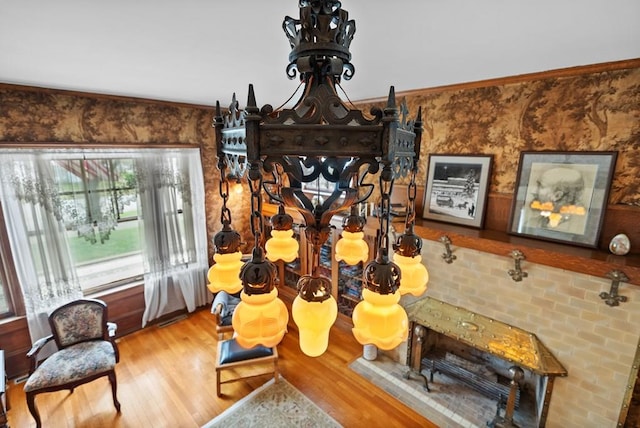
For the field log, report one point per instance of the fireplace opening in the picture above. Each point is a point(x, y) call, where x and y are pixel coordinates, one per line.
point(485, 373)
point(506, 364)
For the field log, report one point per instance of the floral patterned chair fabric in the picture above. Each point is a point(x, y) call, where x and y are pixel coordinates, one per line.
point(86, 351)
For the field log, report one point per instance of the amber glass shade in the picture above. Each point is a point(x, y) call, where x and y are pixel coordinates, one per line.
point(314, 320)
point(224, 275)
point(260, 319)
point(352, 248)
point(379, 320)
point(414, 276)
point(282, 246)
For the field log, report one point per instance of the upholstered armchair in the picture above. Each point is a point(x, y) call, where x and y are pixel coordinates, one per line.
point(86, 351)
point(222, 309)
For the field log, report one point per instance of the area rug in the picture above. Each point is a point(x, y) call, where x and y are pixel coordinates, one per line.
point(278, 405)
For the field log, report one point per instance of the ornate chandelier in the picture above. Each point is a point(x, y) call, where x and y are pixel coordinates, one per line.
point(319, 138)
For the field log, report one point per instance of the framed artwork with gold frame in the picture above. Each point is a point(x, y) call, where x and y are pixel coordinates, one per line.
point(562, 196)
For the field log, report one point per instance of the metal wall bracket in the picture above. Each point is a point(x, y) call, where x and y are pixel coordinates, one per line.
point(612, 298)
point(517, 274)
point(447, 255)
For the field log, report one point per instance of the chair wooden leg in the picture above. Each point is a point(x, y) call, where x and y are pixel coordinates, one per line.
point(31, 403)
point(218, 390)
point(114, 388)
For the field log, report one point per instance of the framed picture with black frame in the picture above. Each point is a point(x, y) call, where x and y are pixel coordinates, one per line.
point(562, 196)
point(457, 188)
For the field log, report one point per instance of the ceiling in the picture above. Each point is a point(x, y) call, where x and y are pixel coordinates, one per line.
point(200, 51)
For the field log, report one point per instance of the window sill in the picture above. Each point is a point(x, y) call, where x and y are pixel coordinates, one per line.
point(113, 290)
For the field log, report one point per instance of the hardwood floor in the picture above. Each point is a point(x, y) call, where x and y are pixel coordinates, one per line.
point(166, 379)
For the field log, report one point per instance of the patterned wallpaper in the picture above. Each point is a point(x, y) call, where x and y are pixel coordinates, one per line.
point(48, 116)
point(599, 111)
point(29, 115)
point(594, 110)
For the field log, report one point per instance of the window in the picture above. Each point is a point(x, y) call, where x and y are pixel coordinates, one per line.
point(98, 203)
point(95, 196)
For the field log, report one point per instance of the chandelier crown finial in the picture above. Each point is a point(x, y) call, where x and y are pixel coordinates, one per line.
point(320, 38)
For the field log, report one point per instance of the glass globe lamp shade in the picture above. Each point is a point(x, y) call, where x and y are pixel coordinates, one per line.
point(414, 276)
point(224, 275)
point(314, 321)
point(260, 319)
point(314, 311)
point(352, 248)
point(282, 246)
point(379, 320)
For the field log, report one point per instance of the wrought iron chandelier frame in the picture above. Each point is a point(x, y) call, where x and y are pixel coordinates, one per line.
point(321, 137)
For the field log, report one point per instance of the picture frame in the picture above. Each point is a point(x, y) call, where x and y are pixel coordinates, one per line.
point(456, 189)
point(562, 196)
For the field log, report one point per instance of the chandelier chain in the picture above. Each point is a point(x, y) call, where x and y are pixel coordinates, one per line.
point(411, 200)
point(255, 185)
point(386, 187)
point(225, 213)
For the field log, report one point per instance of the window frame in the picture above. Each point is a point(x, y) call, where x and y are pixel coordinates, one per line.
point(8, 274)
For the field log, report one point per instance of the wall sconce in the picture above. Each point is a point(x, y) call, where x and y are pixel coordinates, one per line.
point(237, 188)
point(612, 298)
point(517, 274)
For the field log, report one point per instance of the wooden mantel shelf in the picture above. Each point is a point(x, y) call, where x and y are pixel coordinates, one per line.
point(583, 260)
point(492, 239)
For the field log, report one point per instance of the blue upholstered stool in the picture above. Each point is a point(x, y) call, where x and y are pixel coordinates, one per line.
point(231, 356)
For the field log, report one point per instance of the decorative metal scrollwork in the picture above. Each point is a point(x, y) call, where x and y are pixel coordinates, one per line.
point(448, 256)
point(612, 298)
point(339, 172)
point(517, 274)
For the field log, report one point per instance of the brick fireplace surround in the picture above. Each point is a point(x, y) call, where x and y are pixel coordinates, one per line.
point(596, 343)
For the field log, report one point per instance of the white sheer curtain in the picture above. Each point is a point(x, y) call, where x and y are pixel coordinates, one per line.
point(38, 241)
point(172, 220)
